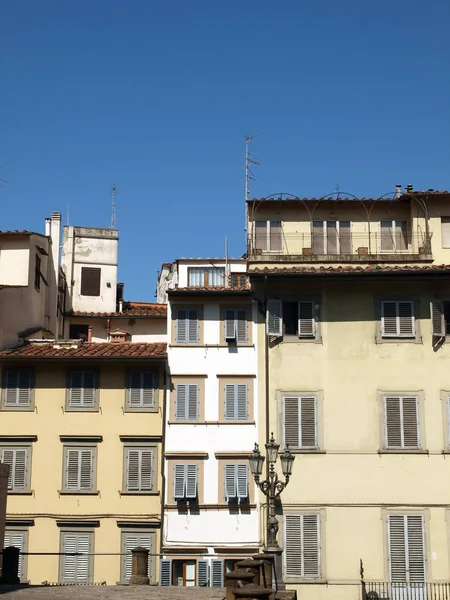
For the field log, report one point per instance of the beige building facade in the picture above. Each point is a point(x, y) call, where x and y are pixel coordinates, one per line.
point(355, 299)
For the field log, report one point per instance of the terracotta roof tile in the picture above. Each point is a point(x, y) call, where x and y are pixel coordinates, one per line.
point(344, 270)
point(24, 232)
point(87, 350)
point(130, 309)
point(211, 289)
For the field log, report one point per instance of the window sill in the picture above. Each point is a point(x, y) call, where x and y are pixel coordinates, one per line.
point(306, 581)
point(398, 340)
point(18, 408)
point(77, 493)
point(141, 410)
point(211, 345)
point(211, 422)
point(195, 506)
point(294, 339)
point(69, 409)
point(20, 492)
point(402, 451)
point(138, 493)
point(307, 451)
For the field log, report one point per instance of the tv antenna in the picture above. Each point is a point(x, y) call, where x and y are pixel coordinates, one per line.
point(113, 222)
point(250, 161)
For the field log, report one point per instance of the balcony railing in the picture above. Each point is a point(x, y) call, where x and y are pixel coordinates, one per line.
point(383, 590)
point(351, 247)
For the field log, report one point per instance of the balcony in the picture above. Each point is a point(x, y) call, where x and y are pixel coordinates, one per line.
point(340, 247)
point(383, 590)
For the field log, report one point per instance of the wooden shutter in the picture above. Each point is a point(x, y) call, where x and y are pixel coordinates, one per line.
point(17, 459)
point(17, 540)
point(230, 482)
point(242, 481)
point(406, 549)
point(191, 481)
point(146, 470)
point(192, 409)
point(389, 326)
point(230, 325)
point(132, 541)
point(141, 389)
point(90, 281)
point(302, 546)
point(179, 479)
point(306, 320)
point(217, 572)
point(275, 232)
point(241, 395)
point(308, 422)
point(18, 386)
point(241, 326)
point(402, 422)
point(165, 572)
point(318, 238)
point(186, 400)
point(345, 237)
point(406, 319)
point(230, 401)
point(202, 573)
point(76, 569)
point(139, 469)
point(182, 326)
point(410, 422)
point(397, 318)
point(261, 235)
point(79, 469)
point(193, 326)
point(274, 318)
point(437, 319)
point(133, 470)
point(83, 388)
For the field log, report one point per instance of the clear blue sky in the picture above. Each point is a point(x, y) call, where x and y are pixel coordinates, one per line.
point(157, 96)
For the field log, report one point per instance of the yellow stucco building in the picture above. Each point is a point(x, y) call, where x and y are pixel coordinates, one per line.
point(355, 303)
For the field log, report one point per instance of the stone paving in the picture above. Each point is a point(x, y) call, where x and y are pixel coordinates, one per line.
point(105, 592)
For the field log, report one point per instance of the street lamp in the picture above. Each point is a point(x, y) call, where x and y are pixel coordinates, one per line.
point(272, 486)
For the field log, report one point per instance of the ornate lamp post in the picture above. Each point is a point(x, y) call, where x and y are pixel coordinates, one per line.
point(272, 488)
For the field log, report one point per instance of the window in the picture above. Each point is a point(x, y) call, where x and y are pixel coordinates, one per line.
point(18, 537)
point(185, 482)
point(217, 572)
point(18, 459)
point(236, 483)
point(76, 569)
point(186, 402)
point(239, 280)
point(268, 236)
point(394, 236)
point(331, 237)
point(293, 318)
point(236, 325)
point(90, 281)
point(302, 546)
point(83, 390)
point(440, 318)
point(187, 326)
point(401, 422)
point(186, 573)
point(141, 392)
point(236, 402)
point(78, 332)
point(139, 470)
point(300, 422)
point(18, 388)
point(79, 469)
point(132, 539)
point(397, 319)
point(37, 272)
point(206, 277)
point(406, 549)
point(445, 232)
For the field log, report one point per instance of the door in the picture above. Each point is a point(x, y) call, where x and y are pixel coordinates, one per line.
point(407, 557)
point(189, 573)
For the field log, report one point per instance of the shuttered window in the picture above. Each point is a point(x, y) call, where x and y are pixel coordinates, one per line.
point(236, 402)
point(19, 539)
point(18, 460)
point(302, 546)
point(186, 399)
point(165, 572)
point(76, 569)
point(139, 469)
point(406, 548)
point(401, 422)
point(187, 326)
point(185, 481)
point(306, 320)
point(79, 469)
point(90, 281)
point(141, 390)
point(83, 390)
point(18, 385)
point(437, 316)
point(130, 541)
point(236, 482)
point(274, 318)
point(300, 421)
point(445, 232)
point(236, 325)
point(217, 572)
point(397, 319)
point(202, 573)
point(268, 236)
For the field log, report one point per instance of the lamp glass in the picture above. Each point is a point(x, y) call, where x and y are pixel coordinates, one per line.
point(287, 462)
point(256, 461)
point(272, 450)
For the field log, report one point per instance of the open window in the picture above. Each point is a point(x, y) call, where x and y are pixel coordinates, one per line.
point(298, 318)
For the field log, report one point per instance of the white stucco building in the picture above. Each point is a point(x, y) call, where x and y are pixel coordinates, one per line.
point(210, 421)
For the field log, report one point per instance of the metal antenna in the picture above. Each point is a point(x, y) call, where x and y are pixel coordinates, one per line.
point(250, 160)
point(113, 222)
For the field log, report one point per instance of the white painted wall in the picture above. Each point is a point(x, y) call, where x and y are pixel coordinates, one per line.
point(14, 261)
point(143, 330)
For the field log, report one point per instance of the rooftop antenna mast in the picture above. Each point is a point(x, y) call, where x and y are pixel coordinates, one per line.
point(113, 222)
point(250, 160)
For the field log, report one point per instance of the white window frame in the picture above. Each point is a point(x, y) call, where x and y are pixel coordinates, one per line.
point(414, 592)
point(236, 467)
point(397, 334)
point(141, 489)
point(76, 559)
point(186, 497)
point(67, 489)
point(12, 488)
point(141, 535)
point(402, 447)
point(338, 234)
point(70, 406)
point(151, 406)
point(299, 398)
point(19, 531)
point(393, 229)
point(320, 554)
point(17, 405)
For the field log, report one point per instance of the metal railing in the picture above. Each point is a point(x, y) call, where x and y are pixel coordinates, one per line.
point(383, 590)
point(318, 246)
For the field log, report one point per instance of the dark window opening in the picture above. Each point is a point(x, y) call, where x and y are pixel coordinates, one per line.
point(37, 272)
point(78, 332)
point(290, 318)
point(90, 281)
point(447, 317)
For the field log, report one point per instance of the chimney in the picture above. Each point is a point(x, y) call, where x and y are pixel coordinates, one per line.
point(47, 227)
point(409, 188)
point(55, 234)
point(398, 188)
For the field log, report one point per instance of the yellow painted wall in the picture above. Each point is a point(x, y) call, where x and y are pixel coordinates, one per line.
point(49, 421)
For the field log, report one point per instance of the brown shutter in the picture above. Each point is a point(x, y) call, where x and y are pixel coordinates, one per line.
point(90, 281)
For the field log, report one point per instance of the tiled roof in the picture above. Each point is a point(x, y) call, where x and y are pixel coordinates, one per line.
point(24, 232)
point(212, 290)
point(130, 309)
point(86, 350)
point(405, 195)
point(353, 270)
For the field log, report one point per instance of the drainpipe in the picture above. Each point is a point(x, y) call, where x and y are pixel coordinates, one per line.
point(266, 369)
